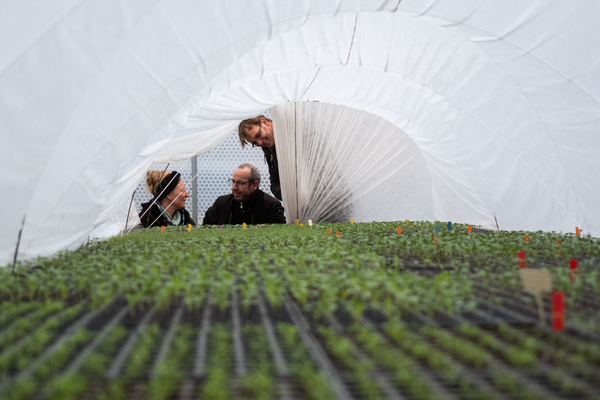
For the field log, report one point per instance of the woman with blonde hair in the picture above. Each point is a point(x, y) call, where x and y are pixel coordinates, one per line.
point(167, 206)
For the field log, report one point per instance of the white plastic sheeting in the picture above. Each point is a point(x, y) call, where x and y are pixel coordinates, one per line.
point(500, 97)
point(337, 164)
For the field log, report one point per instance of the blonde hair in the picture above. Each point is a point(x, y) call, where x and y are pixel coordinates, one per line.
point(247, 124)
point(153, 179)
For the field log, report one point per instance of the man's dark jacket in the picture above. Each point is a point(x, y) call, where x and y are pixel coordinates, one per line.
point(260, 208)
point(271, 159)
point(149, 219)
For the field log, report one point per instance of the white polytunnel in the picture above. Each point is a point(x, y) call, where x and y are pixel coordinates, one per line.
point(477, 111)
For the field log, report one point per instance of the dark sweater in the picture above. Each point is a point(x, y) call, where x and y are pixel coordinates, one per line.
point(149, 219)
point(260, 208)
point(271, 159)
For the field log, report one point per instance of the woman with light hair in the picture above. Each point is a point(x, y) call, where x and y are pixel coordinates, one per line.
point(167, 206)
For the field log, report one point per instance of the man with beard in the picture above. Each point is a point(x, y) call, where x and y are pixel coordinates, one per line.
point(246, 203)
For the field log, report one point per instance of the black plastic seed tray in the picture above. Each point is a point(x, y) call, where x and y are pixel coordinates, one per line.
point(176, 345)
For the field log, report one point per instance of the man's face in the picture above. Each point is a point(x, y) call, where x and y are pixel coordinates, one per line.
point(242, 191)
point(178, 196)
point(261, 136)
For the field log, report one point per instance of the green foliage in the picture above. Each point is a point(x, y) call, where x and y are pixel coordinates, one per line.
point(20, 354)
point(518, 356)
point(343, 350)
point(97, 363)
point(140, 356)
point(218, 366)
point(368, 267)
point(467, 351)
point(258, 383)
point(67, 387)
point(394, 359)
point(313, 382)
point(24, 325)
point(172, 370)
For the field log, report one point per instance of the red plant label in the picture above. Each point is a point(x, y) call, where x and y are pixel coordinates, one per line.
point(558, 311)
point(572, 270)
point(521, 255)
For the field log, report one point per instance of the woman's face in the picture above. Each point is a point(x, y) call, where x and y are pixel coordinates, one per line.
point(178, 196)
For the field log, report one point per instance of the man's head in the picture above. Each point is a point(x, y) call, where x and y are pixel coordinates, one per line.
point(257, 131)
point(245, 181)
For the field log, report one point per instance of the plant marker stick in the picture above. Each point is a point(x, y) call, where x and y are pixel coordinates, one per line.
point(577, 232)
point(435, 241)
point(220, 226)
point(310, 223)
point(351, 220)
point(399, 230)
point(162, 229)
point(328, 231)
point(449, 225)
point(296, 222)
point(18, 243)
point(558, 311)
point(558, 242)
point(572, 270)
point(470, 229)
point(301, 224)
point(525, 238)
point(540, 305)
point(438, 228)
point(244, 225)
point(521, 255)
point(338, 233)
point(189, 227)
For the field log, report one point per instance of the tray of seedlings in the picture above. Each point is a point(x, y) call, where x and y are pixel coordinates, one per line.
point(394, 310)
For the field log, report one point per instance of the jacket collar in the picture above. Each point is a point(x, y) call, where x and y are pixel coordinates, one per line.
point(251, 202)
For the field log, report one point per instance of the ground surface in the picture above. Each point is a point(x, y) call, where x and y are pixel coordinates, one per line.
point(295, 312)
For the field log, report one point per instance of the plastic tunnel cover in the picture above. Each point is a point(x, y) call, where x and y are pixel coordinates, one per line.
point(500, 99)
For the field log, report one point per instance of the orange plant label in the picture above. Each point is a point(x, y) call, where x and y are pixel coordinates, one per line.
point(399, 230)
point(526, 238)
point(162, 229)
point(470, 229)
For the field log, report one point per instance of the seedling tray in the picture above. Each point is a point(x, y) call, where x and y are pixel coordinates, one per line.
point(301, 314)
